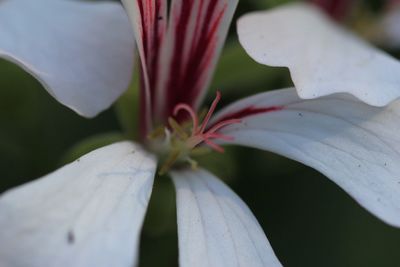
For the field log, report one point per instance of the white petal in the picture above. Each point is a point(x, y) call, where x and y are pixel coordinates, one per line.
point(196, 36)
point(149, 22)
point(179, 58)
point(215, 227)
point(354, 144)
point(88, 213)
point(82, 52)
point(322, 58)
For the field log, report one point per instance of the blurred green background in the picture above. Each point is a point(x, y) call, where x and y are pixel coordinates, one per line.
point(308, 220)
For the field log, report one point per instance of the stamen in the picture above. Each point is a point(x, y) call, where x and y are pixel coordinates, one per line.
point(214, 146)
point(200, 151)
point(223, 124)
point(193, 163)
point(198, 136)
point(183, 141)
point(172, 157)
point(167, 139)
point(210, 112)
point(156, 133)
point(177, 128)
point(220, 136)
point(191, 112)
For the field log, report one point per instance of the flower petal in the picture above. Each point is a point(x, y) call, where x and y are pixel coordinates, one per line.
point(149, 21)
point(178, 60)
point(354, 144)
point(323, 59)
point(196, 36)
point(215, 226)
point(88, 213)
point(81, 52)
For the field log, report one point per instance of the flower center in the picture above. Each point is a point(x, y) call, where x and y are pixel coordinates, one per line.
point(177, 143)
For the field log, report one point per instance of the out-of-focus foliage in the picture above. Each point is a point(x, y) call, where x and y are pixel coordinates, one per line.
point(308, 220)
point(238, 75)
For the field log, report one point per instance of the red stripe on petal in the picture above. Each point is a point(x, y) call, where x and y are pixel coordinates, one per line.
point(247, 112)
point(202, 58)
point(195, 33)
point(178, 59)
point(152, 32)
point(175, 76)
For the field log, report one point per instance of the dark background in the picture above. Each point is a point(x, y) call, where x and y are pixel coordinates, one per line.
point(308, 219)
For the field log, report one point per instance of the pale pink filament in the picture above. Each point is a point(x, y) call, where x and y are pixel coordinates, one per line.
point(201, 135)
point(191, 112)
point(210, 112)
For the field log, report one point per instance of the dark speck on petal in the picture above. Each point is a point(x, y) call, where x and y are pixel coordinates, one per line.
point(70, 237)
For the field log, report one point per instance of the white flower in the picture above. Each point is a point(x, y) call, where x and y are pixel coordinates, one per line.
point(345, 124)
